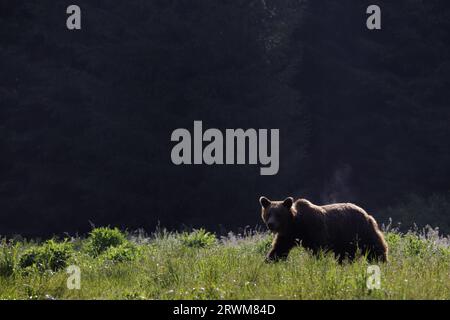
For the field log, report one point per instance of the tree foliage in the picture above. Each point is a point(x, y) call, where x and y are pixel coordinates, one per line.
point(86, 116)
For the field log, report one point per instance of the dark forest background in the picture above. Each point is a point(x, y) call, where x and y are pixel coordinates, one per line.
point(86, 116)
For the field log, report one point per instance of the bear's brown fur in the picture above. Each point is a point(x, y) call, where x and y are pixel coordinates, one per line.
point(342, 228)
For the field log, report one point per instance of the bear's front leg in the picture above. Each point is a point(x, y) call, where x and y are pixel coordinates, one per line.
point(281, 246)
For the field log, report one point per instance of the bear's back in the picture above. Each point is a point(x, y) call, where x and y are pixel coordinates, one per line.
point(345, 220)
point(337, 222)
point(346, 214)
point(341, 227)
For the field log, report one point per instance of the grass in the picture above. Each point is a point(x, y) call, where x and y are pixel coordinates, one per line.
point(198, 266)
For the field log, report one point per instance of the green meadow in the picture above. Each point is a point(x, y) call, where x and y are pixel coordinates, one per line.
point(199, 265)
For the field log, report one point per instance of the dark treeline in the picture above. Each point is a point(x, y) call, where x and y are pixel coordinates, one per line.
point(86, 116)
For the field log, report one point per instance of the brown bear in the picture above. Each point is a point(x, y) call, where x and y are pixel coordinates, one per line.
point(341, 227)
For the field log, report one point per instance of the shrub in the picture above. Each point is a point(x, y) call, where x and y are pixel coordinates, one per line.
point(123, 253)
point(50, 256)
point(101, 239)
point(414, 246)
point(263, 246)
point(393, 239)
point(8, 259)
point(198, 239)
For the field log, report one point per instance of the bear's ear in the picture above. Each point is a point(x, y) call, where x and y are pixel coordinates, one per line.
point(288, 202)
point(264, 202)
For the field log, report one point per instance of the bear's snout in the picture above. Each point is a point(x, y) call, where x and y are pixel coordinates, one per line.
point(273, 225)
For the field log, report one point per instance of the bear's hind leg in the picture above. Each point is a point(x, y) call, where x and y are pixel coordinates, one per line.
point(377, 254)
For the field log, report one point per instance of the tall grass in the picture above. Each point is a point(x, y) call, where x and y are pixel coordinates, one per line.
point(193, 266)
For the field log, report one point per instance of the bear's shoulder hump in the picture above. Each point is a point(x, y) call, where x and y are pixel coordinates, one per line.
point(303, 204)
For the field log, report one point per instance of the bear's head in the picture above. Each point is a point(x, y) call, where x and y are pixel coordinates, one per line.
point(277, 215)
